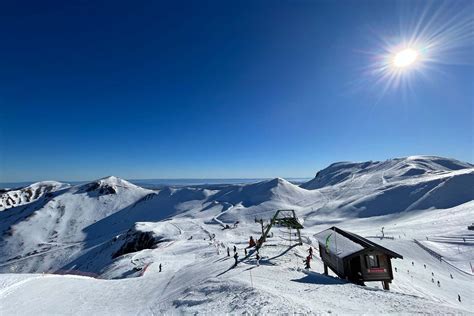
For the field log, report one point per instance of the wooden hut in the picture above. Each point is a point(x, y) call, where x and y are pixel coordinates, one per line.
point(355, 258)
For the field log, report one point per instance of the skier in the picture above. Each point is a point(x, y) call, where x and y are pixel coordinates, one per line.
point(310, 250)
point(228, 252)
point(236, 258)
point(257, 256)
point(307, 262)
point(235, 249)
point(451, 275)
point(459, 298)
point(439, 285)
point(251, 242)
point(159, 267)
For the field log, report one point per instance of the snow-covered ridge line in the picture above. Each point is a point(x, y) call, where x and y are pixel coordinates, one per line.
point(28, 194)
point(112, 229)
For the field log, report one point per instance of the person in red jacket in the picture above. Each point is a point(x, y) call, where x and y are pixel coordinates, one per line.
point(251, 242)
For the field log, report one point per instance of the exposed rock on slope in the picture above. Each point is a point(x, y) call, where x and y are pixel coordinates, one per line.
point(61, 228)
point(31, 193)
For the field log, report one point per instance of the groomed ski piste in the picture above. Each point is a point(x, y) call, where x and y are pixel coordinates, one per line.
point(97, 248)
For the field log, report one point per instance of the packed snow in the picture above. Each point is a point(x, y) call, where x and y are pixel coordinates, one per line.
point(98, 247)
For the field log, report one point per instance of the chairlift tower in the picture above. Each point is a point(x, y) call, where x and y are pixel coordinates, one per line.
point(285, 218)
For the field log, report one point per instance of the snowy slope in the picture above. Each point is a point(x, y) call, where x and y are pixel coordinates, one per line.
point(44, 234)
point(198, 276)
point(381, 172)
point(111, 229)
point(393, 186)
point(31, 193)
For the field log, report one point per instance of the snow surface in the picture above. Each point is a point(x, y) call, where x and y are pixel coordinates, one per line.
point(96, 248)
point(337, 243)
point(28, 194)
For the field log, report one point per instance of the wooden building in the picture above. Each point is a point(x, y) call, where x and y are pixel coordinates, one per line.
point(355, 258)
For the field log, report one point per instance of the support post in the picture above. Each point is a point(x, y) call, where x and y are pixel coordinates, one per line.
point(290, 236)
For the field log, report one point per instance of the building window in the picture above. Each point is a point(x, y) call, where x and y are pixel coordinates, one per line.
point(372, 261)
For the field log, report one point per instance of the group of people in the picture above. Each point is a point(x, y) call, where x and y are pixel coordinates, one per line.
point(236, 254)
point(252, 243)
point(438, 283)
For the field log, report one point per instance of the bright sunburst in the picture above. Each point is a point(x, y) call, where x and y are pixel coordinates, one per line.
point(405, 58)
point(426, 39)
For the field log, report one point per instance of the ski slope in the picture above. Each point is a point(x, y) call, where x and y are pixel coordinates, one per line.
point(100, 250)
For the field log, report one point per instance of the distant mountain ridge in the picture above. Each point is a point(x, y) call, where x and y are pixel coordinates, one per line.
point(51, 224)
point(390, 169)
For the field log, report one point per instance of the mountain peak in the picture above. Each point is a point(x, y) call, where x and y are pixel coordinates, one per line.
point(382, 171)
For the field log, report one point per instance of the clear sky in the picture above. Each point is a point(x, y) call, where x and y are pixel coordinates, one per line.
point(218, 89)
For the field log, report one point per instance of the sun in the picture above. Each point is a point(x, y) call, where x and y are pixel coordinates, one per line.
point(405, 58)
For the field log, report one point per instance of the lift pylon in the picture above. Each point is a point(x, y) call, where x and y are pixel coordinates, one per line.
point(285, 218)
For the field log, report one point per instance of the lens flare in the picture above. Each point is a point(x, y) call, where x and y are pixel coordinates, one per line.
point(405, 58)
point(425, 38)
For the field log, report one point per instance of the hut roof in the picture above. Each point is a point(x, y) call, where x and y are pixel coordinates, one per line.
point(343, 243)
point(338, 243)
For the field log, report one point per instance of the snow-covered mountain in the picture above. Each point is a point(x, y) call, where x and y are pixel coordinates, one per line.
point(44, 234)
point(393, 186)
point(112, 229)
point(31, 193)
point(377, 173)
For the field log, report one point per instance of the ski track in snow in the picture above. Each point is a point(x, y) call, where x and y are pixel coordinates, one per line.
point(197, 275)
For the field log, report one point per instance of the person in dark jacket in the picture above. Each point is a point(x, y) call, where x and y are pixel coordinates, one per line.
point(236, 258)
point(307, 262)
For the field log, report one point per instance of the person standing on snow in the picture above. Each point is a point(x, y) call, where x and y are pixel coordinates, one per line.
point(258, 259)
point(251, 242)
point(310, 250)
point(307, 262)
point(159, 267)
point(235, 249)
point(236, 258)
point(228, 252)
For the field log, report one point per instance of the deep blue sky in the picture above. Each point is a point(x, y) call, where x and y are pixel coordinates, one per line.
point(199, 89)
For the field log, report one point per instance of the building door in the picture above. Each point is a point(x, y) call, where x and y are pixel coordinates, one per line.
point(356, 271)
